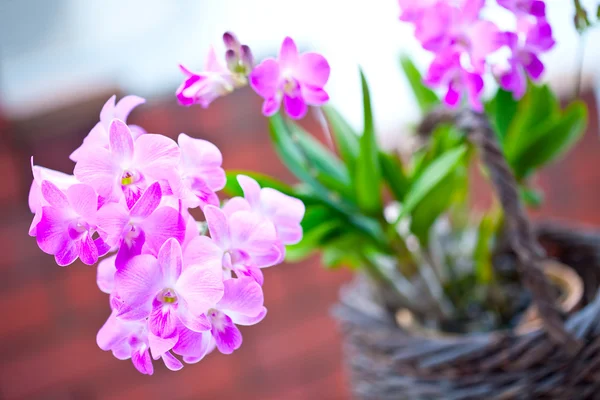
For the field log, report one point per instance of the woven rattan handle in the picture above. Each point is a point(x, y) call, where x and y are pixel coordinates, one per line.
point(518, 228)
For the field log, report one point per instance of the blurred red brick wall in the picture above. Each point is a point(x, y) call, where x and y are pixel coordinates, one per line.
point(50, 315)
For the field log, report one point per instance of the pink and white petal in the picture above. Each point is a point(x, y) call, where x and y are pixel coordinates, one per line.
point(53, 195)
point(142, 362)
point(102, 246)
point(148, 202)
point(52, 230)
point(314, 96)
point(288, 54)
point(312, 69)
point(488, 39)
point(171, 362)
point(170, 261)
point(266, 253)
point(138, 282)
point(192, 231)
point(201, 287)
point(271, 105)
point(112, 332)
point(84, 200)
point(108, 111)
point(196, 323)
point(236, 204)
point(163, 322)
point(212, 62)
point(248, 227)
point(203, 193)
point(453, 96)
point(105, 277)
point(289, 233)
point(35, 196)
point(218, 226)
point(155, 155)
point(34, 222)
point(295, 107)
point(99, 170)
point(474, 86)
point(112, 219)
point(134, 313)
point(126, 105)
point(242, 319)
point(227, 336)
point(132, 245)
point(534, 67)
point(121, 142)
point(68, 254)
point(202, 251)
point(242, 296)
point(136, 131)
point(251, 190)
point(277, 204)
point(164, 223)
point(193, 346)
point(198, 153)
point(265, 78)
point(88, 252)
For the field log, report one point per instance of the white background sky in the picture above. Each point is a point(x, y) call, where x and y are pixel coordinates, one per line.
point(51, 50)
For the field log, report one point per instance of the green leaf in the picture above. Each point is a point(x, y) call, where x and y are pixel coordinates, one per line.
point(538, 106)
point(531, 197)
point(482, 254)
point(505, 111)
point(343, 251)
point(425, 97)
point(553, 139)
point(346, 139)
point(315, 239)
point(232, 187)
point(394, 175)
point(368, 173)
point(436, 172)
point(319, 156)
point(439, 200)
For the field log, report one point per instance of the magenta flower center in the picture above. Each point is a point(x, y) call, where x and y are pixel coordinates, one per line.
point(167, 296)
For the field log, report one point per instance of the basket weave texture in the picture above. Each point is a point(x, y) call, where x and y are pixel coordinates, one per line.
point(560, 360)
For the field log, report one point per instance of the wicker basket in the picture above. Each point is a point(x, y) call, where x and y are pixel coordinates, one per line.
point(558, 360)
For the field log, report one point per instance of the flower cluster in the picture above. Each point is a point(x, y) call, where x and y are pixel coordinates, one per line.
point(297, 80)
point(462, 43)
point(173, 290)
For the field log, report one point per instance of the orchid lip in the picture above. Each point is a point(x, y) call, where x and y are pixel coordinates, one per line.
point(168, 296)
point(128, 178)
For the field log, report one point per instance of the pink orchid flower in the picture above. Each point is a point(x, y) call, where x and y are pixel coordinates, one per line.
point(446, 70)
point(241, 304)
point(98, 136)
point(199, 174)
point(296, 79)
point(525, 46)
point(203, 88)
point(169, 293)
point(132, 339)
point(283, 211)
point(127, 167)
point(242, 243)
point(36, 199)
point(458, 26)
point(143, 228)
point(68, 223)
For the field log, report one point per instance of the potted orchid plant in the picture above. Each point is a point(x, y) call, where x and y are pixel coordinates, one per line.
point(435, 278)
